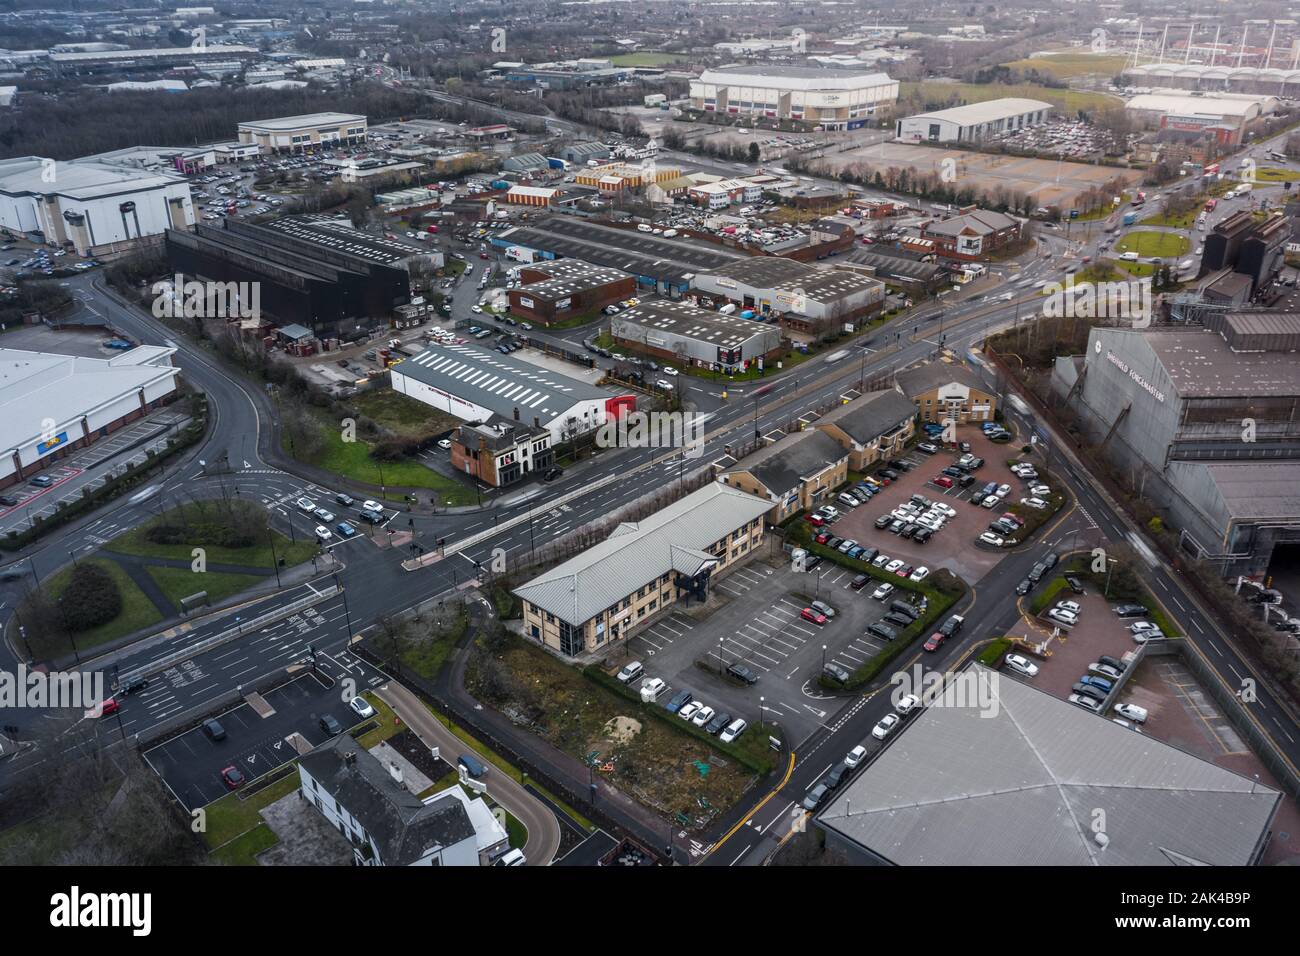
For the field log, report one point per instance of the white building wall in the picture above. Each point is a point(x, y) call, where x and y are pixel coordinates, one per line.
point(437, 398)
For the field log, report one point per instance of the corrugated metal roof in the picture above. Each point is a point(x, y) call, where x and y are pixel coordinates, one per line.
point(640, 552)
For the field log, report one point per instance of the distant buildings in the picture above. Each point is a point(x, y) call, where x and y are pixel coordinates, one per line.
point(830, 98)
point(560, 289)
point(973, 122)
point(289, 134)
point(971, 235)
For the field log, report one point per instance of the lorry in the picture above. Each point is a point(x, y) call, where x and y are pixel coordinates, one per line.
point(500, 184)
point(556, 163)
point(1129, 218)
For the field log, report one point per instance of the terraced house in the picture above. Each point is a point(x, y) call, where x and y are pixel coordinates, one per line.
point(604, 594)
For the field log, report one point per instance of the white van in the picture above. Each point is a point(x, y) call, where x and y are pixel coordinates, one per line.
point(643, 227)
point(1129, 257)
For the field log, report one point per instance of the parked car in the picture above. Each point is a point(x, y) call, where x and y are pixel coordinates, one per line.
point(855, 756)
point(815, 796)
point(824, 609)
point(741, 672)
point(882, 592)
point(329, 723)
point(836, 673)
point(361, 707)
point(678, 701)
point(808, 614)
point(233, 778)
point(689, 710)
point(1129, 610)
point(1063, 617)
point(719, 721)
point(885, 726)
point(934, 642)
point(702, 716)
point(991, 539)
point(1021, 665)
point(1086, 702)
point(630, 672)
point(733, 730)
point(906, 704)
point(305, 505)
point(1133, 712)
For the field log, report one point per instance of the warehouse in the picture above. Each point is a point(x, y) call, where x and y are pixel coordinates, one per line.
point(1167, 406)
point(565, 288)
point(973, 122)
point(315, 271)
point(1180, 110)
point(914, 274)
point(92, 206)
point(805, 297)
point(611, 589)
point(834, 99)
point(289, 134)
point(474, 384)
point(724, 192)
point(123, 61)
point(1011, 780)
point(679, 332)
point(51, 405)
point(531, 196)
point(1215, 79)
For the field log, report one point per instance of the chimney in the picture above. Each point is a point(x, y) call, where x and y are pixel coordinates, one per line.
point(537, 422)
point(396, 773)
point(350, 759)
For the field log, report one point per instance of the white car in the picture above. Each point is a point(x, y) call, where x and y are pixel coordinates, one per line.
point(652, 687)
point(886, 726)
point(919, 574)
point(323, 533)
point(907, 704)
point(947, 510)
point(689, 710)
point(476, 309)
point(1063, 617)
point(1087, 703)
point(444, 443)
point(991, 502)
point(664, 384)
point(361, 707)
point(306, 505)
point(1140, 627)
point(988, 537)
point(1038, 504)
point(882, 592)
point(833, 512)
point(848, 501)
point(703, 716)
point(1021, 665)
point(668, 370)
point(1040, 490)
point(1003, 491)
point(855, 756)
point(894, 565)
point(1133, 712)
point(733, 730)
point(369, 505)
point(1071, 606)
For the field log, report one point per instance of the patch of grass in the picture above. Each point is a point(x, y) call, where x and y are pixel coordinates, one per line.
point(231, 817)
point(137, 612)
point(243, 850)
point(517, 832)
point(1072, 63)
point(1274, 174)
point(1147, 243)
point(387, 723)
point(426, 654)
point(1069, 101)
point(646, 58)
point(990, 656)
point(400, 413)
point(179, 583)
point(1138, 269)
point(1182, 221)
point(1047, 596)
point(136, 542)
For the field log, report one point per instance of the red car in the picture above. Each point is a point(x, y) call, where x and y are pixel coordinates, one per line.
point(904, 571)
point(823, 537)
point(1020, 522)
point(943, 481)
point(110, 707)
point(233, 778)
point(814, 519)
point(934, 643)
point(808, 614)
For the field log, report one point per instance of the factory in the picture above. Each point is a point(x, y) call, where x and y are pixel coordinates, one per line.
point(313, 271)
point(562, 289)
point(95, 207)
point(55, 404)
point(1226, 115)
point(680, 332)
point(130, 61)
point(973, 122)
point(833, 99)
point(1205, 419)
point(291, 134)
point(803, 296)
point(1248, 247)
point(1215, 79)
point(475, 384)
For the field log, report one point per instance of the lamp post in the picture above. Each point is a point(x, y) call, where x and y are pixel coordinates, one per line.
point(760, 712)
point(823, 657)
point(757, 395)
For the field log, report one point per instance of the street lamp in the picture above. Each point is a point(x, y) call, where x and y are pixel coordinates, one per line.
point(720, 640)
point(760, 712)
point(757, 395)
point(823, 657)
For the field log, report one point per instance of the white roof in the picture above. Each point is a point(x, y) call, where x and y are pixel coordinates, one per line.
point(305, 121)
point(793, 78)
point(37, 387)
point(989, 111)
point(1185, 104)
point(77, 178)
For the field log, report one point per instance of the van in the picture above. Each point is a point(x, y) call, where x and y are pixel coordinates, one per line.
point(1129, 256)
point(473, 766)
point(907, 610)
point(644, 227)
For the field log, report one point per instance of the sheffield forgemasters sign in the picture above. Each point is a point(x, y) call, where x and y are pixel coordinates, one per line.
point(1146, 386)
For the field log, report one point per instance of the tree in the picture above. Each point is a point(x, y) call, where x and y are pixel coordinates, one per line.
point(754, 152)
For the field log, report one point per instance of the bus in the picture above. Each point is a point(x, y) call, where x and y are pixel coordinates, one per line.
point(1210, 170)
point(1274, 154)
point(1210, 204)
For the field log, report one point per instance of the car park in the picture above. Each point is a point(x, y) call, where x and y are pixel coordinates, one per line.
point(1021, 665)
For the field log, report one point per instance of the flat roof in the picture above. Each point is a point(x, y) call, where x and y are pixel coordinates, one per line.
point(79, 178)
point(1016, 783)
point(567, 277)
point(499, 383)
point(819, 283)
point(340, 235)
point(155, 53)
point(1255, 490)
point(794, 77)
point(1202, 365)
point(638, 552)
point(987, 111)
point(700, 325)
point(305, 121)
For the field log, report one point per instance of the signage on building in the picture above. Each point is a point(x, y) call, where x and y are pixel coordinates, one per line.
point(969, 245)
point(1142, 383)
point(563, 304)
point(526, 303)
point(52, 443)
point(953, 391)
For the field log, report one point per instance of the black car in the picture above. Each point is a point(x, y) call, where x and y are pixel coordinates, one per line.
point(1050, 559)
point(741, 672)
point(834, 543)
point(1074, 584)
point(952, 471)
point(1025, 586)
point(836, 673)
point(1130, 610)
point(837, 776)
point(868, 555)
point(330, 725)
point(860, 582)
point(345, 499)
point(135, 685)
point(897, 619)
point(922, 536)
point(883, 631)
point(8, 500)
point(884, 521)
point(12, 573)
point(1087, 690)
point(715, 725)
point(812, 561)
point(908, 530)
point(965, 481)
point(1037, 571)
point(552, 473)
point(977, 497)
point(888, 473)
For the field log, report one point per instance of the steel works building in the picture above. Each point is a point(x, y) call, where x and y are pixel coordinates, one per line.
point(680, 332)
point(604, 594)
point(834, 99)
point(51, 404)
point(563, 288)
point(1205, 419)
point(474, 384)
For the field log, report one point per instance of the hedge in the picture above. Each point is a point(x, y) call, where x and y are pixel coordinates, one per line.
point(991, 656)
point(760, 766)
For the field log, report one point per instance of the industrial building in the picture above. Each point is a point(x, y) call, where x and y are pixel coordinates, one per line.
point(1205, 418)
point(896, 267)
point(834, 99)
point(973, 122)
point(314, 271)
point(474, 384)
point(96, 207)
point(604, 594)
point(51, 405)
point(127, 61)
point(501, 451)
point(1013, 782)
point(1215, 78)
point(724, 192)
point(680, 332)
point(941, 392)
point(1248, 247)
point(804, 297)
point(561, 289)
point(289, 134)
point(1227, 115)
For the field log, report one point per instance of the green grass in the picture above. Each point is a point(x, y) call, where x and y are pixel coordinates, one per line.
point(1184, 221)
point(352, 460)
point(258, 556)
point(179, 583)
point(400, 413)
point(1138, 269)
point(387, 723)
point(1071, 63)
point(993, 653)
point(230, 817)
point(137, 612)
point(426, 657)
point(646, 58)
point(243, 850)
point(1068, 100)
point(516, 831)
point(1273, 174)
point(1147, 243)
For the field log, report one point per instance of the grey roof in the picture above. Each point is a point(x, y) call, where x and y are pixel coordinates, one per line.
point(869, 416)
point(498, 382)
point(986, 111)
point(1201, 364)
point(402, 826)
point(707, 327)
point(922, 378)
point(818, 283)
point(889, 266)
point(568, 277)
point(84, 179)
point(1253, 491)
point(639, 552)
point(980, 221)
point(1020, 784)
point(281, 124)
point(785, 464)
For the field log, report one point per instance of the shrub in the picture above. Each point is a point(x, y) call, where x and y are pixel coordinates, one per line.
point(90, 599)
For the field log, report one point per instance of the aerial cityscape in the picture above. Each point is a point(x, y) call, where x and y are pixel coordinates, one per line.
point(555, 434)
